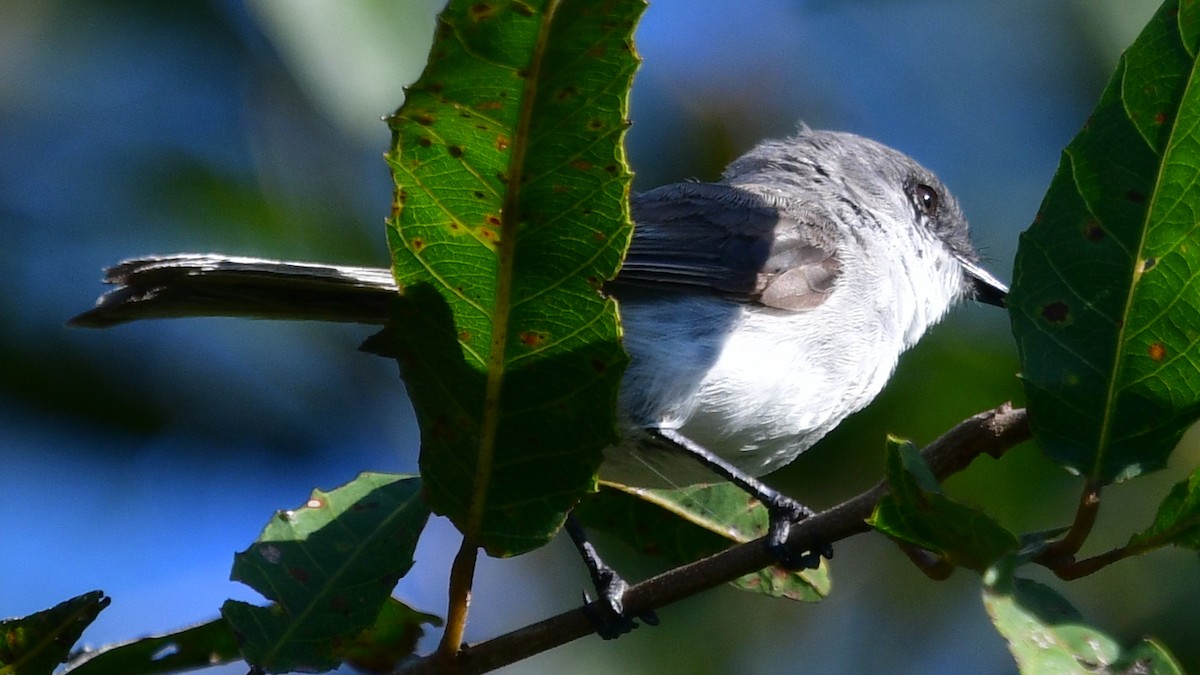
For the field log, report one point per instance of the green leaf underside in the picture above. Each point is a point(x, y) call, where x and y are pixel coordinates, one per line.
point(37, 643)
point(511, 210)
point(1106, 287)
point(1047, 635)
point(1178, 519)
point(329, 567)
point(917, 512)
point(201, 646)
point(690, 523)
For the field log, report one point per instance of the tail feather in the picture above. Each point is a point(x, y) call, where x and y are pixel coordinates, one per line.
point(186, 285)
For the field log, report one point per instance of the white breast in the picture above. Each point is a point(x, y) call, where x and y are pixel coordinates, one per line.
point(758, 386)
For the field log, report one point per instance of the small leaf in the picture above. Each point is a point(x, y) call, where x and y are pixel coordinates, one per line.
point(688, 524)
point(329, 566)
point(1047, 635)
point(1106, 289)
point(393, 638)
point(917, 512)
point(1178, 519)
point(510, 211)
point(36, 644)
point(201, 646)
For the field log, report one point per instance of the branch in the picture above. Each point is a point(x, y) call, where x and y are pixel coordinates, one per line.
point(992, 432)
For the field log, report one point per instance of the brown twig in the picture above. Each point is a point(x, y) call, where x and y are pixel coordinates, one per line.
point(992, 432)
point(1059, 555)
point(462, 575)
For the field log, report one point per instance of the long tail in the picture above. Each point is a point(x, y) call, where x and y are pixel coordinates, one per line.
point(215, 285)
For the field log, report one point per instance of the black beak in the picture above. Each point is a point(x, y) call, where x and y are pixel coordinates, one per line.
point(985, 287)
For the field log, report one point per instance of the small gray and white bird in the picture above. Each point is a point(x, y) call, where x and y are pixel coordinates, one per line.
point(758, 311)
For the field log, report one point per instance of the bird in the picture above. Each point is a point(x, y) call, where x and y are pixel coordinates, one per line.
point(759, 310)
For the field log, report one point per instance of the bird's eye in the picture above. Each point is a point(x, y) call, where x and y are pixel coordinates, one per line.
point(925, 199)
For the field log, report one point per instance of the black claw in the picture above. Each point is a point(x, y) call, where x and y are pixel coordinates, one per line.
point(610, 623)
point(784, 512)
point(607, 615)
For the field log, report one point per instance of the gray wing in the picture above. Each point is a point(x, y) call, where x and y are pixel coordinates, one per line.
point(722, 240)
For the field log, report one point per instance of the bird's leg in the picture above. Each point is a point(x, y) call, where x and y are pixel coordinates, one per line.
point(782, 510)
point(610, 622)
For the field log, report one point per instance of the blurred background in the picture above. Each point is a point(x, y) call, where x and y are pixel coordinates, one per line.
point(138, 460)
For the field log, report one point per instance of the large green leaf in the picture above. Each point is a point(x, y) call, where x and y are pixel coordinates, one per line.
point(329, 567)
point(511, 210)
point(1106, 291)
point(36, 644)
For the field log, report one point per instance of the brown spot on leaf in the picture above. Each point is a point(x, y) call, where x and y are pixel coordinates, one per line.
point(442, 430)
point(566, 92)
point(479, 195)
point(481, 11)
point(488, 233)
point(418, 244)
point(424, 142)
point(1093, 231)
point(595, 124)
point(1149, 263)
point(1158, 351)
point(581, 164)
point(1056, 312)
point(1135, 197)
point(464, 336)
point(424, 119)
point(598, 236)
point(502, 143)
point(611, 168)
point(1160, 119)
point(532, 338)
point(455, 151)
point(298, 573)
point(597, 51)
point(488, 105)
point(493, 219)
point(599, 366)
